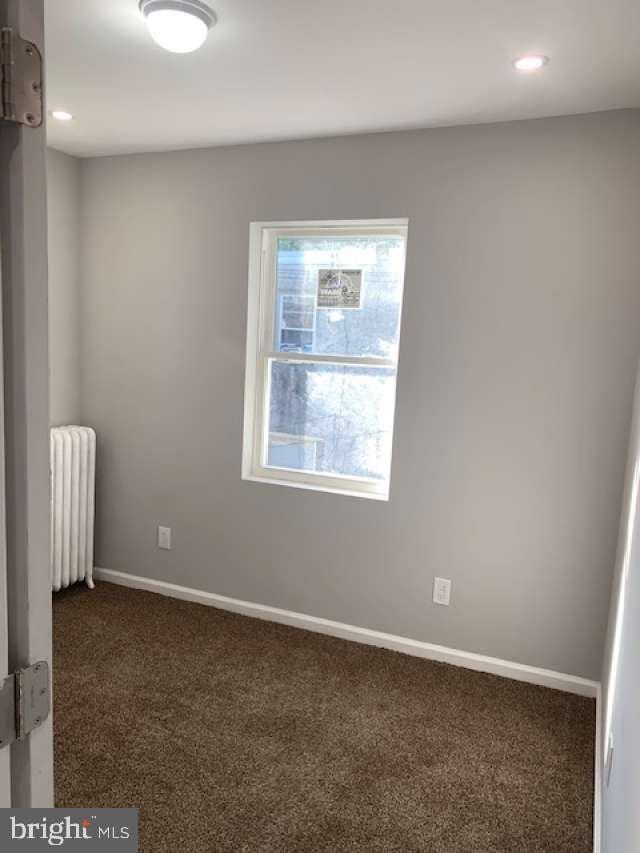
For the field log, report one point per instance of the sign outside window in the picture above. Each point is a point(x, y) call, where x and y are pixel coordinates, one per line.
point(339, 288)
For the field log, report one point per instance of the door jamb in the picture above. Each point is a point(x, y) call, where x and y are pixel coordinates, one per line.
point(23, 221)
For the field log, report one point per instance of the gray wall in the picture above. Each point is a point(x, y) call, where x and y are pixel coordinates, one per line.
point(520, 342)
point(621, 676)
point(63, 199)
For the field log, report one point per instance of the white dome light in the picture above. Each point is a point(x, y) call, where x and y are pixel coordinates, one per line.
point(179, 26)
point(530, 63)
point(61, 115)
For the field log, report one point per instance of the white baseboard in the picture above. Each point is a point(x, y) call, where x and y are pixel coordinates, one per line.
point(597, 781)
point(418, 648)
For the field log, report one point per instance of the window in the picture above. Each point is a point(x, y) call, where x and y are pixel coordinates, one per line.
point(322, 352)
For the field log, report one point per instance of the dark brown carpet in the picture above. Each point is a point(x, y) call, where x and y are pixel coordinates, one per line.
point(232, 734)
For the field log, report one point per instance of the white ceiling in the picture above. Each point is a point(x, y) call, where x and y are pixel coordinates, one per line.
point(287, 69)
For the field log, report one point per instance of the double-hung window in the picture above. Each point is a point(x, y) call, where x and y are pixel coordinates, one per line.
point(323, 332)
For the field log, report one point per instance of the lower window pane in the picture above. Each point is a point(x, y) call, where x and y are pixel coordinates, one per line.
point(331, 419)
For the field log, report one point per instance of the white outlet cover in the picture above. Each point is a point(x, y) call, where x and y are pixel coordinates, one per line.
point(441, 591)
point(164, 538)
point(609, 760)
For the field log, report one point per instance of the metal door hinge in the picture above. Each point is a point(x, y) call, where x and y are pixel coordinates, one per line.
point(25, 701)
point(20, 79)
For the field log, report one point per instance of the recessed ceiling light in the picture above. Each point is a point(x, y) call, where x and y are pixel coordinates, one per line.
point(179, 26)
point(533, 62)
point(61, 115)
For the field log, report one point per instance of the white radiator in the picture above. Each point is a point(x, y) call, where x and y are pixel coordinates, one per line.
point(73, 466)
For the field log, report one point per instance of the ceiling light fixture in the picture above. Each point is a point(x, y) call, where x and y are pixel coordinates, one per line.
point(61, 115)
point(533, 62)
point(179, 26)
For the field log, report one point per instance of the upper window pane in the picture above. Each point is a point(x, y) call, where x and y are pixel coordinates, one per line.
point(339, 295)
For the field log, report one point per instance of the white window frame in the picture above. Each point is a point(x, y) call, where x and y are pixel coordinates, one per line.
point(261, 319)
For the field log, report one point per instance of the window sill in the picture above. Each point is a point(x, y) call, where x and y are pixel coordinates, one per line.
point(332, 490)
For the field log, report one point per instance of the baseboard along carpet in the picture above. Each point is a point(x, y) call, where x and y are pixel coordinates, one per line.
point(235, 734)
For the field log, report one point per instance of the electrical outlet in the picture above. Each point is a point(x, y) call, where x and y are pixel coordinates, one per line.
point(608, 765)
point(441, 591)
point(164, 538)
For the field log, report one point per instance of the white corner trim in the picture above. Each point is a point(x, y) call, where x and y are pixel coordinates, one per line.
point(418, 648)
point(597, 781)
